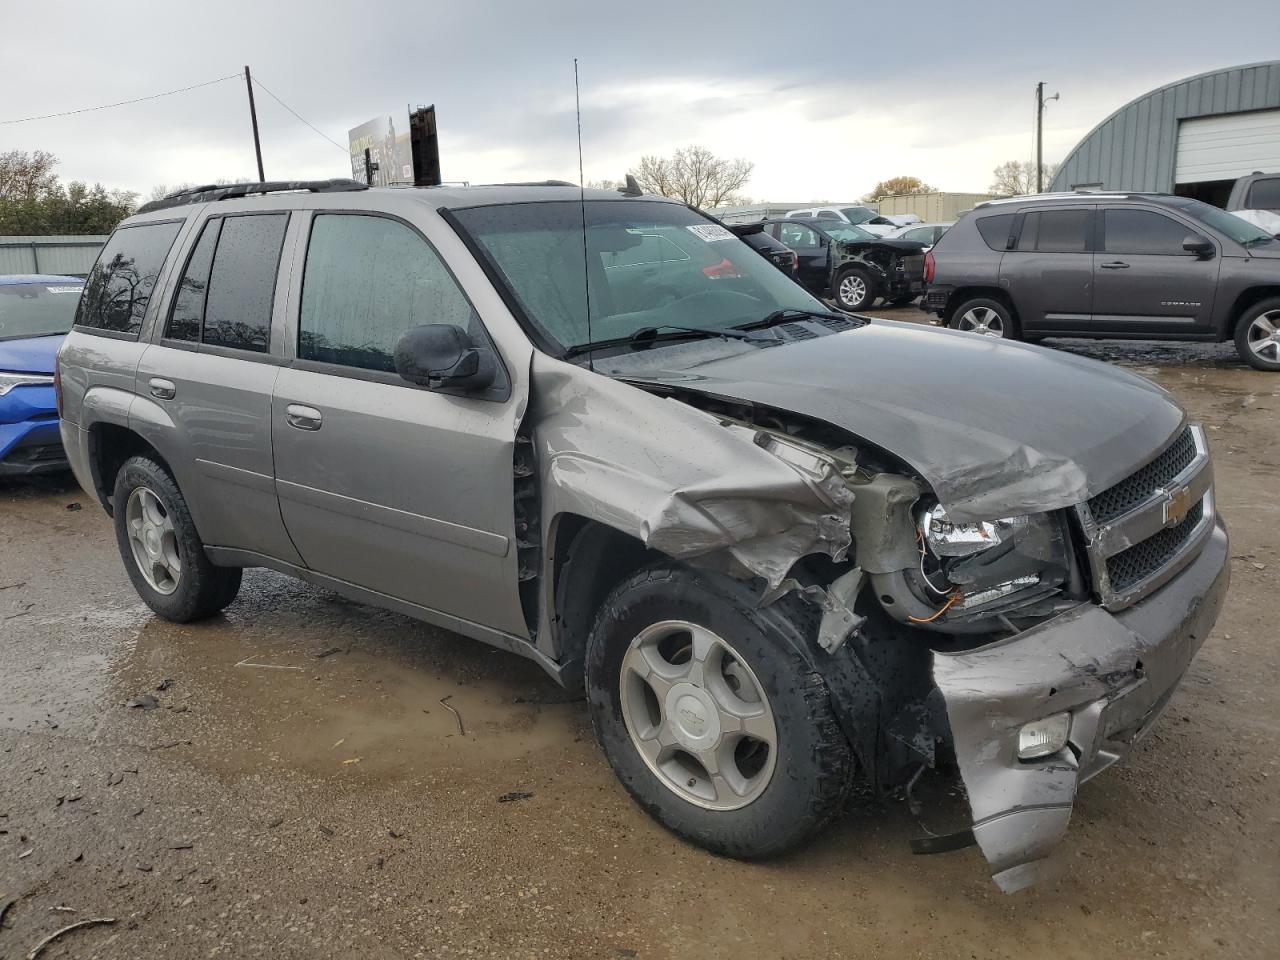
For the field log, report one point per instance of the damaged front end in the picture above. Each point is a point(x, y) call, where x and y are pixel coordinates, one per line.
point(1025, 652)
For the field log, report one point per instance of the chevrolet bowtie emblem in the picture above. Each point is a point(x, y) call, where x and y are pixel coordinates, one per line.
point(1176, 507)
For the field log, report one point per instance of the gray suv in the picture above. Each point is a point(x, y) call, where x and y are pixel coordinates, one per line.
point(1131, 266)
point(601, 432)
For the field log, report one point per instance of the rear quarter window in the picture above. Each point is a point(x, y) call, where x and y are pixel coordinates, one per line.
point(1264, 195)
point(120, 284)
point(995, 230)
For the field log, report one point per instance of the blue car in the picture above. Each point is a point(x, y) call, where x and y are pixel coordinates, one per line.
point(36, 313)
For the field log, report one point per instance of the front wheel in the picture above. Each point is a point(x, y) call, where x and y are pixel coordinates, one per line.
point(1258, 335)
point(989, 318)
point(855, 289)
point(162, 551)
point(713, 714)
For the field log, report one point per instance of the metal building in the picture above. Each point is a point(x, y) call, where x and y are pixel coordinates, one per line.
point(66, 256)
point(1192, 137)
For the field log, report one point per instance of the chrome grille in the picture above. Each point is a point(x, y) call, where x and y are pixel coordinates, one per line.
point(1143, 530)
point(1141, 486)
point(1132, 566)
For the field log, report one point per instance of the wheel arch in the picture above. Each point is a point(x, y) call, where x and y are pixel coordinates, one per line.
point(962, 295)
point(110, 445)
point(1244, 301)
point(588, 558)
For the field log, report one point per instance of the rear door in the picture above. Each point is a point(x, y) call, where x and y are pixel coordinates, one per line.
point(1145, 284)
point(212, 370)
point(813, 252)
point(389, 486)
point(1049, 272)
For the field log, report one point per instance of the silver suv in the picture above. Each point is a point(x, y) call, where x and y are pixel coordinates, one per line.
point(780, 547)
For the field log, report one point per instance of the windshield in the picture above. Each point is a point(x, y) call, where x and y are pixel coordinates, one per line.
point(1241, 231)
point(858, 214)
point(648, 264)
point(37, 309)
point(847, 232)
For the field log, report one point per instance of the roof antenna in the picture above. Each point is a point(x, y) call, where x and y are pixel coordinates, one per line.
point(582, 201)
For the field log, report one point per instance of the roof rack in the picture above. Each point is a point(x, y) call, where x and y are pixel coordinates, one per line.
point(231, 191)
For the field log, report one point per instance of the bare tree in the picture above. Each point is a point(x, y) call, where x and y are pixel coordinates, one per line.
point(1015, 178)
point(898, 187)
point(26, 176)
point(695, 175)
point(603, 184)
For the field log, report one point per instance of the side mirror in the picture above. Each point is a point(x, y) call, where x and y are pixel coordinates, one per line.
point(437, 355)
point(1201, 246)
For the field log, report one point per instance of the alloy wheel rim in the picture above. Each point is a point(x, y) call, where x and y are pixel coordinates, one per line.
point(698, 716)
point(852, 290)
point(1264, 336)
point(154, 541)
point(984, 321)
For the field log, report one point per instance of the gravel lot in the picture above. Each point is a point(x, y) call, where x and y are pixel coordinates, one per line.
point(301, 791)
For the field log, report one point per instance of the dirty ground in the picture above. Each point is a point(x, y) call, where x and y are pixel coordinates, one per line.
point(309, 777)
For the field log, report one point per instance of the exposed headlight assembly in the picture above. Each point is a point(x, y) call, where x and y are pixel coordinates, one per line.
point(980, 564)
point(10, 380)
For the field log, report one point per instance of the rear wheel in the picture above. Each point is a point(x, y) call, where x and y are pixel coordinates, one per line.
point(162, 551)
point(1258, 335)
point(989, 318)
point(713, 714)
point(855, 289)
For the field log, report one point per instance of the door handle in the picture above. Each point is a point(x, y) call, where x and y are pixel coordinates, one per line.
point(1115, 265)
point(304, 418)
point(162, 389)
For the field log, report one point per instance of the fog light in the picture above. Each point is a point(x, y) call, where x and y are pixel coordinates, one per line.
point(1043, 738)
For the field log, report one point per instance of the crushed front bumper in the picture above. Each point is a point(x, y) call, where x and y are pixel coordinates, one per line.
point(1114, 673)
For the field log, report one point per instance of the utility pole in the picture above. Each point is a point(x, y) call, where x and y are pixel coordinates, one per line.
point(253, 116)
point(1040, 102)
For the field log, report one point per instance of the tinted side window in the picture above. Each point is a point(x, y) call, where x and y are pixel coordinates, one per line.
point(995, 230)
point(119, 286)
point(1141, 231)
point(188, 307)
point(1264, 195)
point(796, 235)
point(1055, 231)
point(242, 284)
point(368, 280)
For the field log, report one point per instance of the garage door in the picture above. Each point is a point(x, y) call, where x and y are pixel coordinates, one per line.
point(1223, 148)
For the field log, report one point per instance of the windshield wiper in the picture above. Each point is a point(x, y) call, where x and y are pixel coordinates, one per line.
point(793, 313)
point(648, 335)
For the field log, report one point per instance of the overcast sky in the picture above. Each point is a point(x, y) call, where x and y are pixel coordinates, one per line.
point(825, 97)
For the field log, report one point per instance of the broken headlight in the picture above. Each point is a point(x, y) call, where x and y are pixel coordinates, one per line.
point(980, 564)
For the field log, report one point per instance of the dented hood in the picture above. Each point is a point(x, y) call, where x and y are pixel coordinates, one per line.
point(996, 428)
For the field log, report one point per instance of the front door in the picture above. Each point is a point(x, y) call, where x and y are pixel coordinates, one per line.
point(1145, 284)
point(1049, 272)
point(383, 484)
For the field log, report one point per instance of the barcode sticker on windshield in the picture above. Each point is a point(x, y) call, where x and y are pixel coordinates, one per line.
point(710, 232)
point(63, 289)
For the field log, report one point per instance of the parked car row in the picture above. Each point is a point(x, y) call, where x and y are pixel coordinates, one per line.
point(869, 220)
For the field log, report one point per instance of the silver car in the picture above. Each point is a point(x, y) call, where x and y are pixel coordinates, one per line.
point(781, 548)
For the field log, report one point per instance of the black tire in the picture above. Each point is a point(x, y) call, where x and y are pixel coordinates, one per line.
point(813, 765)
point(855, 289)
point(1265, 310)
point(202, 589)
point(970, 311)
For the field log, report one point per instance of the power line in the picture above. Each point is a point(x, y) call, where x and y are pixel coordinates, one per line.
point(258, 83)
point(122, 103)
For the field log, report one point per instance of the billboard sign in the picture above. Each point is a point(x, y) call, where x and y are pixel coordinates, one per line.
point(388, 148)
